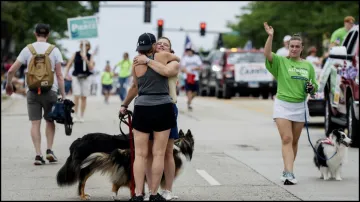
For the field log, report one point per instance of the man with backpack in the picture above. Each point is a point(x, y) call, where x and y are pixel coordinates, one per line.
point(43, 62)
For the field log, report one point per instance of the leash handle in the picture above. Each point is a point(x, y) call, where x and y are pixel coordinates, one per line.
point(132, 156)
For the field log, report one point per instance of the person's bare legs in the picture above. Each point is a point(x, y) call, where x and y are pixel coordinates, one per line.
point(76, 102)
point(169, 165)
point(50, 133)
point(285, 129)
point(149, 164)
point(36, 136)
point(141, 151)
point(190, 97)
point(157, 168)
point(83, 106)
point(296, 131)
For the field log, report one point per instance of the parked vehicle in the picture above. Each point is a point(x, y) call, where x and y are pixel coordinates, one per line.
point(317, 104)
point(340, 83)
point(244, 72)
point(207, 76)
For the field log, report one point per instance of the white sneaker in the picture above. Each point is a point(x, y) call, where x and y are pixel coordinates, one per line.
point(147, 196)
point(76, 118)
point(168, 195)
point(289, 178)
point(81, 120)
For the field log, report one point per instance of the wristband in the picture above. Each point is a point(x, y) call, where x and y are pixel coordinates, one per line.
point(124, 106)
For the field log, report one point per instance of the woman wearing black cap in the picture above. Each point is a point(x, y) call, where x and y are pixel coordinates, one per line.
point(153, 112)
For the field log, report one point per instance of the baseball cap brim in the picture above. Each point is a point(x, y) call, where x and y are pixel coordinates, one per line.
point(143, 48)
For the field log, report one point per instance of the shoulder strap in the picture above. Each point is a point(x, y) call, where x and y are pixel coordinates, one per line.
point(32, 49)
point(48, 51)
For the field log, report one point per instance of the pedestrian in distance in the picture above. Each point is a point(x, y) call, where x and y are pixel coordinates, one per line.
point(80, 78)
point(107, 81)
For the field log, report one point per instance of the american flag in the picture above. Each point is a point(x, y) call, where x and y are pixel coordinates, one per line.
point(188, 43)
point(248, 45)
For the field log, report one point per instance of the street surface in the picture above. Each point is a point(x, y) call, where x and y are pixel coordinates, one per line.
point(237, 155)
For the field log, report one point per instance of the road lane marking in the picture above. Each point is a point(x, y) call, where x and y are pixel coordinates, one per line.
point(207, 177)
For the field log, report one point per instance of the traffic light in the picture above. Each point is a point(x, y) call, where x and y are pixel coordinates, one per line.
point(202, 28)
point(147, 13)
point(160, 23)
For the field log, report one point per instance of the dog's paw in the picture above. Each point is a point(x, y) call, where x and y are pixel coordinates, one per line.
point(115, 197)
point(85, 197)
point(338, 178)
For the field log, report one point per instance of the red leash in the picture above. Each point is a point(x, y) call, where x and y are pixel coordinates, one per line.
point(132, 182)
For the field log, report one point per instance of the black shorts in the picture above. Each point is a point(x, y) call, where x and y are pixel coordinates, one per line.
point(192, 87)
point(154, 118)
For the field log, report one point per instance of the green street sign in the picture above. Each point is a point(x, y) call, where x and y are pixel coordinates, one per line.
point(82, 27)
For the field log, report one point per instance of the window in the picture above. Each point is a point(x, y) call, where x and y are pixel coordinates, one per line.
point(347, 39)
point(352, 43)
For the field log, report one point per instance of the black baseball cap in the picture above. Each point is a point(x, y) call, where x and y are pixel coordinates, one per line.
point(145, 42)
point(41, 28)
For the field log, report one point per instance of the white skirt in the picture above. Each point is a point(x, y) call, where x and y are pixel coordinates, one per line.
point(291, 111)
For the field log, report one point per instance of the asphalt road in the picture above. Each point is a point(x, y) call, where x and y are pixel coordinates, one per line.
point(237, 155)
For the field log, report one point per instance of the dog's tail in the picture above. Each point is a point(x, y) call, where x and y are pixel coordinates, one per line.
point(107, 163)
point(68, 173)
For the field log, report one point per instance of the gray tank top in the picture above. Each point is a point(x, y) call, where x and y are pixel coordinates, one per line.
point(153, 89)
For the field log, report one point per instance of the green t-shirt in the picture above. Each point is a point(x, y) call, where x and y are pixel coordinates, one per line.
point(338, 34)
point(107, 78)
point(291, 76)
point(124, 68)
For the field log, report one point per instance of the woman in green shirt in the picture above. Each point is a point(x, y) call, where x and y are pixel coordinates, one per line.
point(107, 81)
point(124, 74)
point(292, 73)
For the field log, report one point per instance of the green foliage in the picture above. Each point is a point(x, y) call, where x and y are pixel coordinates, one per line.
point(21, 16)
point(311, 19)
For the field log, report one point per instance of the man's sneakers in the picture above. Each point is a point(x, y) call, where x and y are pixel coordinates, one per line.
point(168, 195)
point(288, 178)
point(39, 160)
point(50, 156)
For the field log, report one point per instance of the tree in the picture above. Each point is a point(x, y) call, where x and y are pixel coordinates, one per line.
point(18, 19)
point(312, 19)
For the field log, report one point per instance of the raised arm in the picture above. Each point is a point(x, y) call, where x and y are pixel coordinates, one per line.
point(268, 44)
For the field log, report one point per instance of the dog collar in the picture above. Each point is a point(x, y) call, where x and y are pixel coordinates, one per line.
point(327, 141)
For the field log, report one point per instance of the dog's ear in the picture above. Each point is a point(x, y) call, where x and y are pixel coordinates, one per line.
point(337, 132)
point(181, 133)
point(188, 133)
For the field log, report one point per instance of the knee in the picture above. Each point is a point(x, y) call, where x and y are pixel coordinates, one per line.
point(83, 98)
point(287, 139)
point(169, 154)
point(158, 153)
point(142, 154)
point(50, 123)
